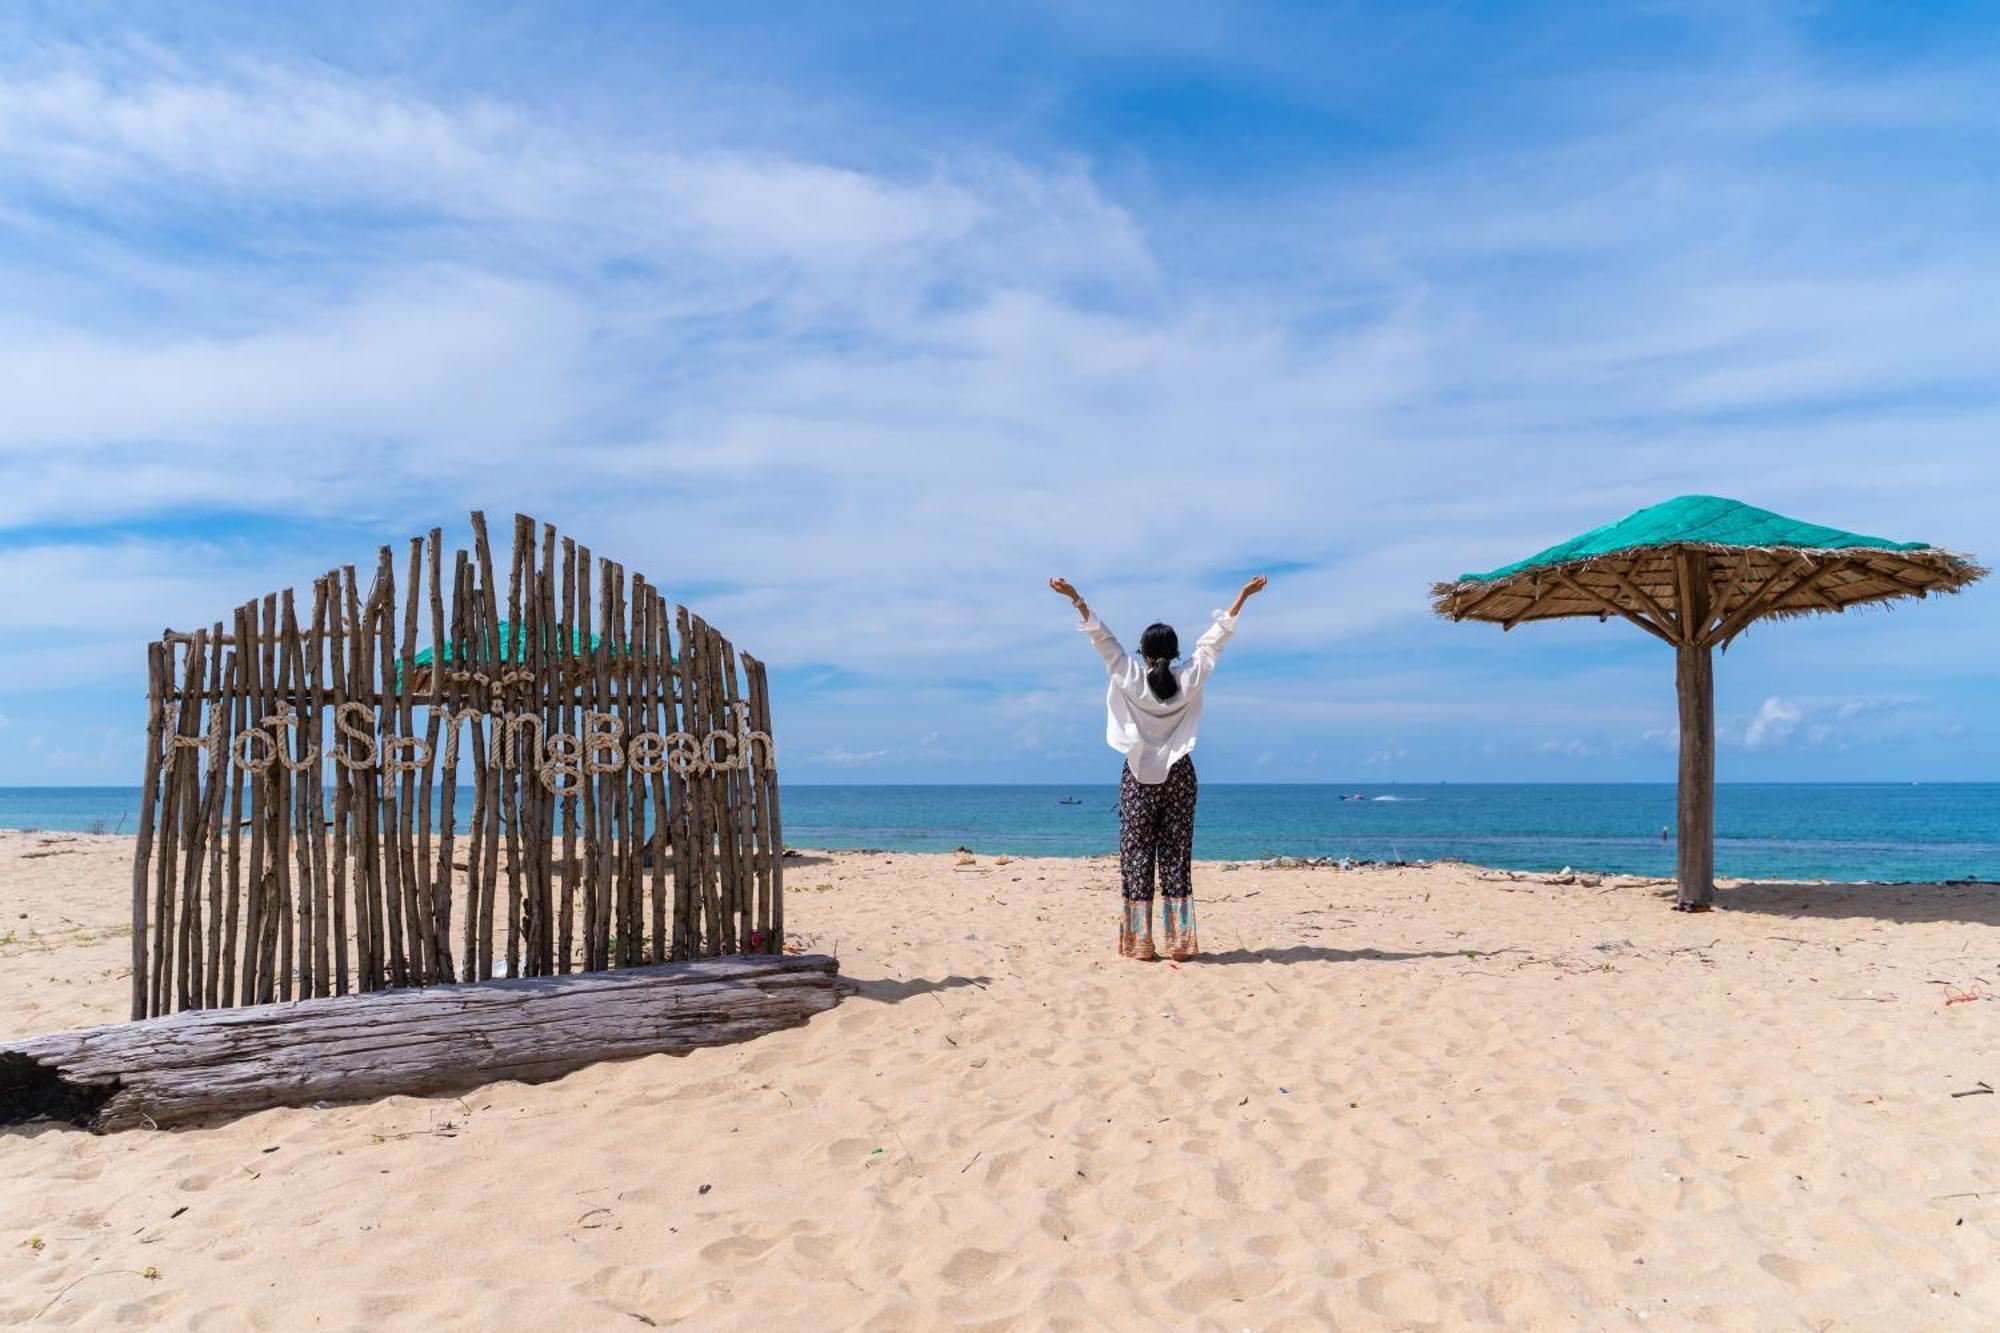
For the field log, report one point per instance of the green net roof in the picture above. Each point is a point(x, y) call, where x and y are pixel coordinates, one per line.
point(512, 646)
point(1702, 520)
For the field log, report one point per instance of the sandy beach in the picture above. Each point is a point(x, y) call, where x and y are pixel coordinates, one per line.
point(1394, 1098)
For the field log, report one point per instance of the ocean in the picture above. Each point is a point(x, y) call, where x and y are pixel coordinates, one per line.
point(1840, 831)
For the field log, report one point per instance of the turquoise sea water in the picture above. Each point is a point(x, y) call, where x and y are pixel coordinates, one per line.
point(1849, 831)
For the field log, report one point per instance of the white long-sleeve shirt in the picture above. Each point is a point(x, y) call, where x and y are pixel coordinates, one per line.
point(1153, 734)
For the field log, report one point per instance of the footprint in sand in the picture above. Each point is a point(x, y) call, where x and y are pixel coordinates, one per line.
point(735, 1250)
point(1800, 1272)
point(971, 1267)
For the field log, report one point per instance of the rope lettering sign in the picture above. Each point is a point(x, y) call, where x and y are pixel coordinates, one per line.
point(543, 772)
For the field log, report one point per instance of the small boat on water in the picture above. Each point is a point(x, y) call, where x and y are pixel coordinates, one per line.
point(1069, 800)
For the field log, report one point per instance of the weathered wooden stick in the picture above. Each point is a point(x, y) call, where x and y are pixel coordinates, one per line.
point(339, 680)
point(420, 944)
point(361, 803)
point(156, 670)
point(218, 776)
point(387, 824)
point(461, 627)
point(587, 669)
point(568, 668)
point(681, 945)
point(226, 1062)
point(487, 657)
point(770, 826)
point(185, 785)
point(290, 823)
point(547, 667)
point(239, 685)
point(251, 755)
point(513, 798)
point(314, 744)
point(438, 883)
point(630, 927)
point(653, 718)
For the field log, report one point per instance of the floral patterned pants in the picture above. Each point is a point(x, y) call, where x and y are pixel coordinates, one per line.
point(1156, 838)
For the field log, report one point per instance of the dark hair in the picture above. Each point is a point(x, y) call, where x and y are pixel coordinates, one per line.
point(1159, 645)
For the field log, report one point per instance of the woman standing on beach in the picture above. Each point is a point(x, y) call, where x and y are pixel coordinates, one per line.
point(1153, 710)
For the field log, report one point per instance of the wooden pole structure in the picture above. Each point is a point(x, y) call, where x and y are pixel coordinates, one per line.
point(1694, 684)
point(596, 706)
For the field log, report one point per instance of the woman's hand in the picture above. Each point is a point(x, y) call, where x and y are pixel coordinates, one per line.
point(1068, 589)
point(1249, 590)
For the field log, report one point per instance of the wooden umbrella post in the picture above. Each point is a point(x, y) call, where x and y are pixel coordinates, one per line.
point(1694, 683)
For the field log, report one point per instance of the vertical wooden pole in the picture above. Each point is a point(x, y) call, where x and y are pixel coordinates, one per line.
point(249, 648)
point(312, 725)
point(770, 828)
point(569, 669)
point(437, 877)
point(513, 794)
point(239, 705)
point(486, 659)
point(277, 841)
point(658, 714)
point(588, 668)
point(547, 669)
point(738, 865)
point(602, 782)
point(420, 938)
point(1694, 682)
point(286, 820)
point(219, 767)
point(447, 659)
point(194, 839)
point(340, 594)
point(156, 718)
point(385, 822)
point(631, 870)
point(681, 943)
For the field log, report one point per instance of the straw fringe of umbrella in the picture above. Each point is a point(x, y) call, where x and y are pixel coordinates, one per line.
point(1757, 583)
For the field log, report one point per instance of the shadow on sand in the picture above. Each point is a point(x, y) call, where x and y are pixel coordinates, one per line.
point(890, 991)
point(1901, 904)
point(1313, 953)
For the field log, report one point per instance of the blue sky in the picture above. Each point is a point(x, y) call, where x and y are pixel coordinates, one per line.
point(850, 325)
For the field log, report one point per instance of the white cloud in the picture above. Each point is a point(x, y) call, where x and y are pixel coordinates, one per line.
point(870, 407)
point(852, 758)
point(1773, 724)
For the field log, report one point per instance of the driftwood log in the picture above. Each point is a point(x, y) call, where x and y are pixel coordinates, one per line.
point(227, 1062)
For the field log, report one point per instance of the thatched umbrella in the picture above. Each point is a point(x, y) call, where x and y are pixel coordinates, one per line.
point(1694, 573)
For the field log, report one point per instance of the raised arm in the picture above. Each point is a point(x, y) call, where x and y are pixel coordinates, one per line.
point(1209, 646)
point(1068, 589)
point(1245, 593)
point(1106, 643)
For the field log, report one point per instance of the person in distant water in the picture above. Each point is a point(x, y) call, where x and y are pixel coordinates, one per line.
point(1154, 709)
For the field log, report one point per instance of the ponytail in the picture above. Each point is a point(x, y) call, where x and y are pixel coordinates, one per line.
point(1159, 645)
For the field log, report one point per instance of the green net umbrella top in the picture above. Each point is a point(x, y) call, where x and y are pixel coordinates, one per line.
point(1733, 562)
point(1697, 520)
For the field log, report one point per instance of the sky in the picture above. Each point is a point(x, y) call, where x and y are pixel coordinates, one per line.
point(850, 325)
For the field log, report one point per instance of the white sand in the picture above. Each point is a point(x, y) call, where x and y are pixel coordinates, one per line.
point(1611, 1115)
